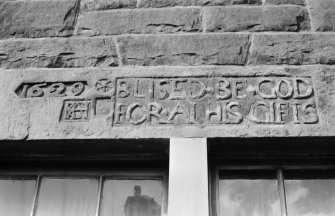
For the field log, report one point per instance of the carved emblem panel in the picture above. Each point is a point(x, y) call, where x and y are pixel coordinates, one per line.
point(76, 110)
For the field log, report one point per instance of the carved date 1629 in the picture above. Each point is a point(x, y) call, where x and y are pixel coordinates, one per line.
point(58, 89)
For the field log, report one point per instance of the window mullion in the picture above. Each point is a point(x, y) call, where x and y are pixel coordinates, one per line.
point(97, 211)
point(35, 200)
point(282, 195)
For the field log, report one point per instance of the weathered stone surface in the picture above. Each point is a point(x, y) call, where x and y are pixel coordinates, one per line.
point(90, 5)
point(54, 53)
point(172, 3)
point(280, 2)
point(194, 49)
point(37, 18)
point(295, 49)
point(225, 101)
point(140, 21)
point(322, 14)
point(244, 18)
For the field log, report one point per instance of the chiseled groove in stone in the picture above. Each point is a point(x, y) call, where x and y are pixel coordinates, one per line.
point(58, 52)
point(172, 3)
point(251, 40)
point(293, 49)
point(282, 2)
point(89, 5)
point(308, 7)
point(189, 49)
point(125, 21)
point(262, 18)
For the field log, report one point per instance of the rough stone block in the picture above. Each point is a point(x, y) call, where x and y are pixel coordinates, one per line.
point(195, 49)
point(54, 53)
point(244, 18)
point(280, 2)
point(140, 21)
point(90, 5)
point(38, 18)
point(172, 3)
point(322, 14)
point(295, 49)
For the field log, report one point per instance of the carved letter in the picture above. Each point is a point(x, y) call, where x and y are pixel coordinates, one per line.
point(272, 95)
point(155, 110)
point(136, 89)
point(178, 110)
point(210, 113)
point(120, 113)
point(310, 114)
point(280, 112)
point(296, 113)
point(123, 89)
point(252, 117)
point(130, 112)
point(163, 90)
point(289, 89)
point(223, 86)
point(238, 88)
point(178, 93)
point(238, 116)
point(297, 90)
point(151, 89)
point(201, 92)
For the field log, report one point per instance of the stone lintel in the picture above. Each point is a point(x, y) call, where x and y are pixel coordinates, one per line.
point(164, 102)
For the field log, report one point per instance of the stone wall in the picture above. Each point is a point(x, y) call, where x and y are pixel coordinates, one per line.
point(166, 68)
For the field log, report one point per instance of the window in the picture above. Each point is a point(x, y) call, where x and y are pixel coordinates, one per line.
point(259, 191)
point(278, 178)
point(90, 179)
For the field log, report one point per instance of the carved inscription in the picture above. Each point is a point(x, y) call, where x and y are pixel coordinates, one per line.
point(76, 110)
point(215, 100)
point(57, 89)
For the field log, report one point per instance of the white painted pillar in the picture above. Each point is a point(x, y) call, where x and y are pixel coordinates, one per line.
point(188, 178)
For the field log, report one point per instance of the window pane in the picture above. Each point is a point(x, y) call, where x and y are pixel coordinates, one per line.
point(16, 197)
point(132, 198)
point(310, 197)
point(248, 196)
point(67, 197)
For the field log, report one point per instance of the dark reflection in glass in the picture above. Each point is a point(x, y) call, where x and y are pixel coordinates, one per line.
point(132, 198)
point(306, 196)
point(141, 205)
point(67, 197)
point(16, 197)
point(248, 194)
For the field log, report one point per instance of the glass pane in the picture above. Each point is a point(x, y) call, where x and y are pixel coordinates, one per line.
point(132, 198)
point(310, 197)
point(67, 197)
point(16, 197)
point(248, 194)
